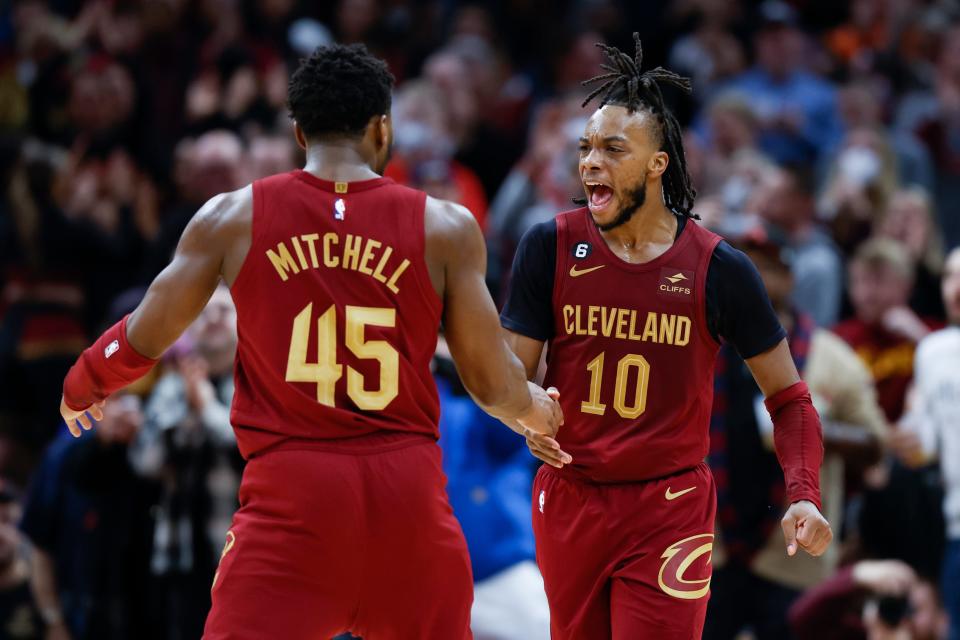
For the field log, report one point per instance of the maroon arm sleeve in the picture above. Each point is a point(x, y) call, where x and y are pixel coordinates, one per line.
point(110, 364)
point(798, 440)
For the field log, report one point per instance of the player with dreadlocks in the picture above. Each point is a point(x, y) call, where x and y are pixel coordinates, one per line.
point(634, 297)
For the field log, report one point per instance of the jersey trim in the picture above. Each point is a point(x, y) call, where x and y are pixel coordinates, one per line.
point(241, 278)
point(424, 283)
point(710, 245)
point(615, 260)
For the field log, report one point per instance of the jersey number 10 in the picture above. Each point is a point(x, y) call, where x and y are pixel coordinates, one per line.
point(326, 371)
point(627, 408)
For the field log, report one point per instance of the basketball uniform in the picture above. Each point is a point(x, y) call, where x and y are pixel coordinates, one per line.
point(344, 522)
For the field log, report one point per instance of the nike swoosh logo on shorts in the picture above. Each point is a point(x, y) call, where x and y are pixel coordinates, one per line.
point(574, 273)
point(669, 495)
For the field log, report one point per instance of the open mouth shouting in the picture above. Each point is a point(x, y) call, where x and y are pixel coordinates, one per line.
point(599, 196)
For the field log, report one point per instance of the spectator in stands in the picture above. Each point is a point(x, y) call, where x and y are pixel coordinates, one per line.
point(424, 149)
point(538, 187)
point(870, 600)
point(861, 107)
point(754, 582)
point(884, 331)
point(211, 164)
point(783, 199)
point(87, 516)
point(932, 427)
point(910, 220)
point(188, 445)
point(934, 117)
point(797, 110)
point(861, 180)
point(20, 618)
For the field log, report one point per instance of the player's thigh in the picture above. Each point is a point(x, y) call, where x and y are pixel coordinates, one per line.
point(641, 612)
point(418, 582)
point(264, 588)
point(511, 605)
point(662, 585)
point(573, 554)
point(290, 562)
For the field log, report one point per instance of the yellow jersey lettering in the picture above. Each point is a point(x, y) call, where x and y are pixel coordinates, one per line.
point(622, 323)
point(378, 272)
point(568, 319)
point(650, 329)
point(296, 247)
point(607, 317)
point(682, 335)
point(667, 326)
point(351, 251)
point(592, 320)
point(392, 282)
point(310, 239)
point(368, 255)
point(282, 261)
point(329, 259)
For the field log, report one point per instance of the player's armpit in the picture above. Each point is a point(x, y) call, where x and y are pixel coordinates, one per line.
point(179, 293)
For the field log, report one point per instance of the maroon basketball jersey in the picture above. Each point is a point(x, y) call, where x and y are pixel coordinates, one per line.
point(336, 315)
point(631, 355)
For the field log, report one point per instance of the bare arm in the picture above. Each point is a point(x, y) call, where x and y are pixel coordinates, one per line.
point(774, 370)
point(527, 350)
point(490, 372)
point(180, 292)
point(208, 245)
point(493, 376)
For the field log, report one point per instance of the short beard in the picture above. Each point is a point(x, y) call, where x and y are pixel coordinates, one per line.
point(634, 201)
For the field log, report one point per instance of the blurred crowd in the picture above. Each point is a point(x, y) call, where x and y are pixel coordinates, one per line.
point(823, 139)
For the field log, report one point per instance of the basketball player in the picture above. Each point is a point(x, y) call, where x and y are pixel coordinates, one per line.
point(341, 279)
point(633, 298)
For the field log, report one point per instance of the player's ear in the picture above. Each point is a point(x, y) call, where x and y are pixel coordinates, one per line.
point(383, 130)
point(299, 135)
point(658, 163)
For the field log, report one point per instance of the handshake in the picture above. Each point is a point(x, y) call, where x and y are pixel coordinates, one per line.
point(539, 424)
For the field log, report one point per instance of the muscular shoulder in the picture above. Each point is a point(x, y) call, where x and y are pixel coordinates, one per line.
point(225, 211)
point(449, 220)
point(451, 232)
point(223, 226)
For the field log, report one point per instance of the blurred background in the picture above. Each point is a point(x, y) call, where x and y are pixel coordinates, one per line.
point(823, 139)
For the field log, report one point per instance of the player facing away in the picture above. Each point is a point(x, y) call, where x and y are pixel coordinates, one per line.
point(341, 279)
point(632, 296)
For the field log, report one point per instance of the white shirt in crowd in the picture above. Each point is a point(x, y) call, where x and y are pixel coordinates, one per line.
point(935, 414)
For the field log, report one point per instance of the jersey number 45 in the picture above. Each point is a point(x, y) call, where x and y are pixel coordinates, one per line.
point(326, 371)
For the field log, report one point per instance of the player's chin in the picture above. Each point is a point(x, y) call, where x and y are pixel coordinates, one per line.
point(604, 214)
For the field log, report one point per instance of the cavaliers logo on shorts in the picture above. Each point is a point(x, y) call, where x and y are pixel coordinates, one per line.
point(684, 566)
point(231, 539)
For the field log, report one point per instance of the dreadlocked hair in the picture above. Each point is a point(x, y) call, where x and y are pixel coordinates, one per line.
point(625, 85)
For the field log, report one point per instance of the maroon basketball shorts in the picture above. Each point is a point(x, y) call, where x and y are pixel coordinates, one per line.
point(330, 542)
point(625, 561)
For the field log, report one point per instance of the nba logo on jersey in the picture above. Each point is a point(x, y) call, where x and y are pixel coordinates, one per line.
point(543, 498)
point(111, 349)
point(339, 209)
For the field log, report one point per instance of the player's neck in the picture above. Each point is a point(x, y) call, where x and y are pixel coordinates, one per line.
point(652, 223)
point(338, 163)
